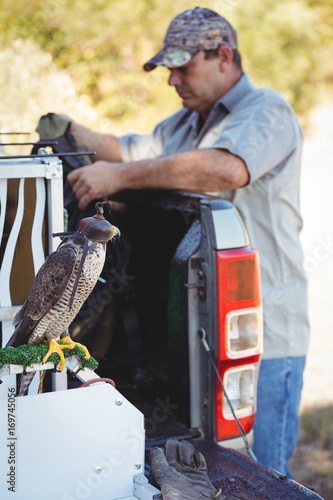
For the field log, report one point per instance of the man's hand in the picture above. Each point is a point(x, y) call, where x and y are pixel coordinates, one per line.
point(95, 181)
point(181, 472)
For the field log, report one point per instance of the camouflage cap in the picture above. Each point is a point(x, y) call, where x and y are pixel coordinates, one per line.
point(189, 32)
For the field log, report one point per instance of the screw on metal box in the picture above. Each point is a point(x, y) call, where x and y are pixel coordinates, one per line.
point(119, 402)
point(98, 469)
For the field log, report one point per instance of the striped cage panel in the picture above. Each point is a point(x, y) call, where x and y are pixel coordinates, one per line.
point(31, 209)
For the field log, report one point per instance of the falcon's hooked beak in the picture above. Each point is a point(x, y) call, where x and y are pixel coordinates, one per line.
point(115, 233)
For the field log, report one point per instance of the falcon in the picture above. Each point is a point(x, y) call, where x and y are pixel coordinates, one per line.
point(60, 288)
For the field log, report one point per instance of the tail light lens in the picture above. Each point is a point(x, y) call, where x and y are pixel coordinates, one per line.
point(240, 338)
point(243, 333)
point(240, 385)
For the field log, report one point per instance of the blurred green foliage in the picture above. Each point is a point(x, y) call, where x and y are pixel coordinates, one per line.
point(95, 50)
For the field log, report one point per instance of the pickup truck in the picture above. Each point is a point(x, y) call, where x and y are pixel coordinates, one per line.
point(182, 304)
point(179, 308)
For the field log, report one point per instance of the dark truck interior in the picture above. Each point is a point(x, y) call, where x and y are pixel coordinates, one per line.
point(141, 308)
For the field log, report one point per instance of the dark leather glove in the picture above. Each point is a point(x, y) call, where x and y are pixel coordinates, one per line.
point(181, 473)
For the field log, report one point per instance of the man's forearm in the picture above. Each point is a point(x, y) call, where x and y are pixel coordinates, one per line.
point(198, 170)
point(106, 146)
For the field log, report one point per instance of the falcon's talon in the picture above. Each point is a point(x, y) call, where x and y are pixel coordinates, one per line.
point(73, 344)
point(54, 347)
point(67, 343)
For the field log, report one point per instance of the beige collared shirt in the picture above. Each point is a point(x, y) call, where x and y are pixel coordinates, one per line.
point(259, 126)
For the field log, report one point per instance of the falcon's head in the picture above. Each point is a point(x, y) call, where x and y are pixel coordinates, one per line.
point(97, 228)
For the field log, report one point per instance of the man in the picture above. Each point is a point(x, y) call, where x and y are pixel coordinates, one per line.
point(245, 143)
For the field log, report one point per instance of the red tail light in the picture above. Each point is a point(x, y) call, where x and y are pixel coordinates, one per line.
point(240, 338)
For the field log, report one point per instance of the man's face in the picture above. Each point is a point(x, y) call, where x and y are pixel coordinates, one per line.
point(199, 83)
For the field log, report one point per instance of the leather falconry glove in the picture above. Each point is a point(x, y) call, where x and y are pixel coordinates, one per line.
point(181, 472)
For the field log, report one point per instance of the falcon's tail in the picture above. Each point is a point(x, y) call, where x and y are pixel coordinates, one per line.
point(25, 382)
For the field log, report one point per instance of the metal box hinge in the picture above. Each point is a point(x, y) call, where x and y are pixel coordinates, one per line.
point(201, 283)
